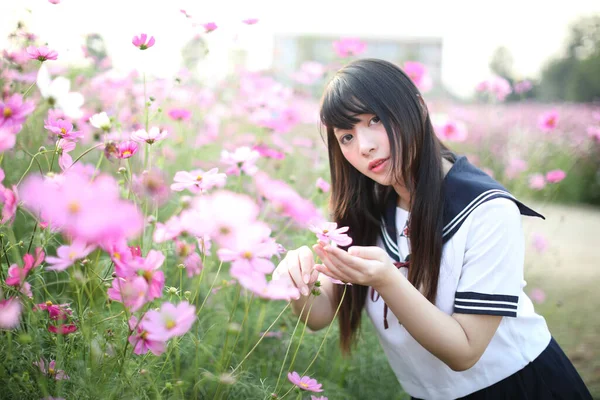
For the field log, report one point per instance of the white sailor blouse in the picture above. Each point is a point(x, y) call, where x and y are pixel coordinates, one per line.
point(481, 272)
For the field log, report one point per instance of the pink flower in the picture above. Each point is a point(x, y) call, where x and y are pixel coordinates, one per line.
point(548, 121)
point(65, 161)
point(243, 159)
point(126, 149)
point(515, 167)
point(537, 295)
point(41, 53)
point(62, 128)
point(10, 313)
point(540, 244)
point(318, 398)
point(523, 86)
point(537, 182)
point(555, 176)
point(594, 133)
point(10, 200)
point(450, 130)
point(8, 137)
point(56, 312)
point(329, 232)
point(68, 254)
point(347, 47)
point(418, 73)
point(52, 372)
point(198, 181)
point(209, 26)
point(268, 152)
point(250, 21)
point(496, 86)
point(54, 1)
point(170, 321)
point(148, 268)
point(140, 41)
point(131, 292)
point(309, 73)
point(179, 114)
point(151, 184)
point(16, 275)
point(305, 382)
point(185, 13)
point(191, 260)
point(254, 255)
point(256, 282)
point(139, 339)
point(150, 137)
point(323, 185)
point(62, 329)
point(14, 111)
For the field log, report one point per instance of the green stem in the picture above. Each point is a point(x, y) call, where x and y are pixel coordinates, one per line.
point(28, 89)
point(30, 164)
point(83, 154)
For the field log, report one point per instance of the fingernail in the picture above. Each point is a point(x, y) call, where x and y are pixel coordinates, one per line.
point(306, 278)
point(305, 291)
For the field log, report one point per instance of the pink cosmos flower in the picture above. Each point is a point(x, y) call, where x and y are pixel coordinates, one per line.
point(126, 149)
point(309, 73)
point(323, 185)
point(140, 41)
point(286, 200)
point(62, 128)
point(268, 152)
point(150, 137)
point(56, 312)
point(52, 372)
point(63, 329)
point(496, 86)
point(8, 137)
point(151, 185)
point(540, 244)
point(253, 254)
point(68, 254)
point(537, 182)
point(523, 86)
point(14, 111)
point(148, 268)
point(198, 181)
point(54, 1)
point(41, 53)
point(10, 313)
point(170, 321)
point(555, 176)
point(243, 159)
point(250, 21)
point(515, 167)
point(537, 295)
point(594, 133)
point(329, 232)
point(256, 282)
point(347, 47)
point(449, 129)
point(131, 292)
point(10, 199)
point(318, 398)
point(191, 260)
point(548, 121)
point(139, 339)
point(16, 275)
point(65, 161)
point(418, 73)
point(305, 382)
point(209, 26)
point(179, 114)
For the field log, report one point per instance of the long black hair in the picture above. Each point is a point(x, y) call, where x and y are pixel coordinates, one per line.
point(372, 86)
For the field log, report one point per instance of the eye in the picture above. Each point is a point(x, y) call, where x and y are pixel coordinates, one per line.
point(374, 120)
point(344, 139)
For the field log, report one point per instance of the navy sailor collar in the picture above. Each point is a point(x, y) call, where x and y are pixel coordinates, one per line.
point(465, 188)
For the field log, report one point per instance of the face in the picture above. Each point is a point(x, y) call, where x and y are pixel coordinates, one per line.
point(367, 148)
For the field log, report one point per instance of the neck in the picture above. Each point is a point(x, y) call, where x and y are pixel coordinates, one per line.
point(404, 195)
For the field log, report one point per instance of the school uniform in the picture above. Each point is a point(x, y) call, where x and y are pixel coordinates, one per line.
point(481, 272)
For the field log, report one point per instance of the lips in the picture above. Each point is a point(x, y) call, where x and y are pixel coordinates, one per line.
point(376, 163)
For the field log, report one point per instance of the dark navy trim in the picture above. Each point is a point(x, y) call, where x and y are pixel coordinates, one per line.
point(487, 297)
point(502, 313)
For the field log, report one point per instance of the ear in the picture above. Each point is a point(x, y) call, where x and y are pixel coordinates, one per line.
point(424, 110)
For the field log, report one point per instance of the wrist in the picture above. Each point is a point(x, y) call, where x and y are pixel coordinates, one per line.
point(389, 277)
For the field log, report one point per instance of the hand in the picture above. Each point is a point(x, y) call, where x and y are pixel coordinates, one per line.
point(298, 266)
point(368, 266)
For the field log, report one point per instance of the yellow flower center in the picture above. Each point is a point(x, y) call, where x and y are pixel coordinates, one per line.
point(74, 207)
point(63, 131)
point(304, 384)
point(51, 371)
point(144, 335)
point(126, 153)
point(117, 255)
point(7, 112)
point(247, 255)
point(325, 231)
point(148, 275)
point(170, 324)
point(72, 255)
point(48, 303)
point(199, 178)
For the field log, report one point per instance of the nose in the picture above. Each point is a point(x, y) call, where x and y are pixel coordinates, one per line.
point(366, 143)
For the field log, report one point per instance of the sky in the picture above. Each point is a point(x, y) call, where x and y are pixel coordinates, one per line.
point(533, 30)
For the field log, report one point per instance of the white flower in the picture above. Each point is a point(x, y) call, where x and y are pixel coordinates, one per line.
point(153, 135)
point(58, 90)
point(100, 121)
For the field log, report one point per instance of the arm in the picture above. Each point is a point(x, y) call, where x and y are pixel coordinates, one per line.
point(298, 267)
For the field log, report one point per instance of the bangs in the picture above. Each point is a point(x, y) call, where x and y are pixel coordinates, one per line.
point(340, 106)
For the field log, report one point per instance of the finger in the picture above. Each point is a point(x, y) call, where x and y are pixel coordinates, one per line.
point(306, 259)
point(366, 252)
point(327, 272)
point(334, 267)
point(341, 257)
point(295, 272)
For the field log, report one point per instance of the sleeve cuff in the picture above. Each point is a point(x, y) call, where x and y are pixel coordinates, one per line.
point(488, 304)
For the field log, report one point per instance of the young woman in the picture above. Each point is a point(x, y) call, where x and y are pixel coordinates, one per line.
point(437, 253)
